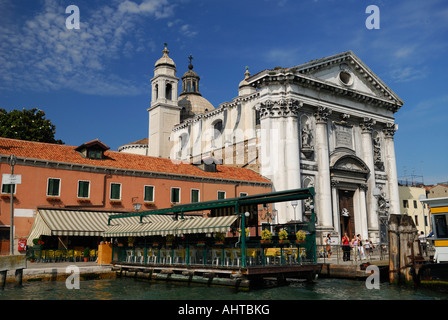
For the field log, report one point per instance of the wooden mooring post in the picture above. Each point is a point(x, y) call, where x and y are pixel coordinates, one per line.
point(403, 243)
point(12, 262)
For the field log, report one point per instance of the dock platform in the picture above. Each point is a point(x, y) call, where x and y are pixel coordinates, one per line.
point(232, 276)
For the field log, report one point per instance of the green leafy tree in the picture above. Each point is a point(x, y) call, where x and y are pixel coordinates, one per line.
point(28, 125)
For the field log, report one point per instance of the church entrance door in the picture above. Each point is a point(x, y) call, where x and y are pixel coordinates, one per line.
point(347, 213)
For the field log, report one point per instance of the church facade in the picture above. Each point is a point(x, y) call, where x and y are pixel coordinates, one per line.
point(328, 123)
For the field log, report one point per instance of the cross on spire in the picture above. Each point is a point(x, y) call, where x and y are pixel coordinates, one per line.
point(190, 66)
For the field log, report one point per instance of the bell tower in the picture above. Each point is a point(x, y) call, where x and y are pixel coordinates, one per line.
point(164, 112)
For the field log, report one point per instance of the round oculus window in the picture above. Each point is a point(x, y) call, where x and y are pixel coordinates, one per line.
point(345, 78)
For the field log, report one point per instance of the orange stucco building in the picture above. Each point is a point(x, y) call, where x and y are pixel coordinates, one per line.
point(92, 178)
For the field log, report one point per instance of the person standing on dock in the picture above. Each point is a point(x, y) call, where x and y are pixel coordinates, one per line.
point(346, 247)
point(328, 242)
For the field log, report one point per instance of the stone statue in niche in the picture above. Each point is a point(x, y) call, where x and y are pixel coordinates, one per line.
point(377, 152)
point(307, 140)
point(306, 135)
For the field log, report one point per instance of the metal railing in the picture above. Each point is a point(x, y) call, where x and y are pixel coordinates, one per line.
point(58, 255)
point(341, 254)
point(219, 256)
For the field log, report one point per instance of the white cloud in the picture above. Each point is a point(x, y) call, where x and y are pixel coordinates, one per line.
point(42, 54)
point(187, 31)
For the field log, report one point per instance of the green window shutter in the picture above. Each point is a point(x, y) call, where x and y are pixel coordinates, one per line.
point(53, 187)
point(175, 195)
point(83, 189)
point(6, 188)
point(221, 195)
point(149, 193)
point(194, 195)
point(115, 191)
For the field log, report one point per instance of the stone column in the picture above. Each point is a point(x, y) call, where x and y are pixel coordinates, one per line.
point(323, 165)
point(336, 210)
point(391, 168)
point(280, 157)
point(367, 155)
point(363, 211)
point(292, 154)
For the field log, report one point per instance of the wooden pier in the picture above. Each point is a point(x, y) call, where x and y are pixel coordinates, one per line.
point(240, 278)
point(9, 263)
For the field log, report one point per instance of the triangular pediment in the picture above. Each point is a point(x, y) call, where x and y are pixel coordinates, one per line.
point(347, 71)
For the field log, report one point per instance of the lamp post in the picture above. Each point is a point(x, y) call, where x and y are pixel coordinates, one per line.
point(137, 206)
point(12, 162)
point(294, 204)
point(421, 199)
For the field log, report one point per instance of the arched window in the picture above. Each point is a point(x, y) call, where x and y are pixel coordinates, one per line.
point(217, 129)
point(168, 91)
point(156, 88)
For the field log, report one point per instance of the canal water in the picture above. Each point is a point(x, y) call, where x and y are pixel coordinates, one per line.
point(133, 289)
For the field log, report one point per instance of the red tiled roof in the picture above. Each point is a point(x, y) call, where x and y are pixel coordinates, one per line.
point(120, 160)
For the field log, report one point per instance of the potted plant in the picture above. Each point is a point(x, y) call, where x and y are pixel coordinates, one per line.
point(247, 232)
point(300, 235)
point(266, 236)
point(219, 238)
point(169, 239)
point(283, 236)
point(86, 254)
point(37, 243)
point(131, 241)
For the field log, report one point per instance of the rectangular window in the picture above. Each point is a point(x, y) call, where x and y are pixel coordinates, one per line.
point(175, 195)
point(243, 194)
point(426, 221)
point(405, 204)
point(115, 191)
point(149, 194)
point(54, 187)
point(415, 204)
point(6, 188)
point(416, 220)
point(83, 189)
point(221, 195)
point(194, 195)
point(441, 226)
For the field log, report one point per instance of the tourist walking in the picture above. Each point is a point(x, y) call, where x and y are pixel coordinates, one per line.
point(328, 247)
point(346, 247)
point(360, 248)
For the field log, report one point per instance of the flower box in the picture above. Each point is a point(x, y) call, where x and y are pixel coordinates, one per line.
point(53, 199)
point(5, 196)
point(115, 202)
point(169, 244)
point(283, 241)
point(300, 241)
point(201, 243)
point(84, 200)
point(265, 241)
point(150, 204)
point(219, 243)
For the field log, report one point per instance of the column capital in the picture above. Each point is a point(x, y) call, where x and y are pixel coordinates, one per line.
point(367, 124)
point(389, 130)
point(322, 114)
point(279, 108)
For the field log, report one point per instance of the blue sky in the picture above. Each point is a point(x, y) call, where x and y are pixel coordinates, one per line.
point(95, 82)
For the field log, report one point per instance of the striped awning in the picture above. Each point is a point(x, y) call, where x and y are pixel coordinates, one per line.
point(181, 226)
point(51, 222)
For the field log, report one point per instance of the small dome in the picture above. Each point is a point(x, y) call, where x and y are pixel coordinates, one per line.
point(165, 59)
point(193, 104)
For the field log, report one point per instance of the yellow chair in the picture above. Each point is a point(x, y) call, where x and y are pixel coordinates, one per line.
point(77, 254)
point(59, 255)
point(272, 254)
point(49, 255)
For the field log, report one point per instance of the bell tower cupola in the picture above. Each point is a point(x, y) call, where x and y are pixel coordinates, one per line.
point(164, 112)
